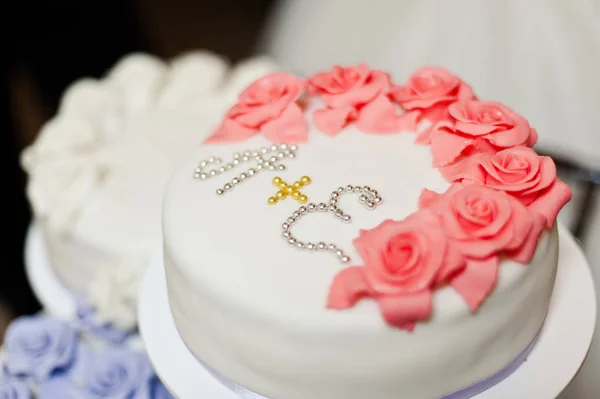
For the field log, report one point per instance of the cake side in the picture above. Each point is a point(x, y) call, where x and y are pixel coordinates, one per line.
point(437, 224)
point(283, 356)
point(98, 169)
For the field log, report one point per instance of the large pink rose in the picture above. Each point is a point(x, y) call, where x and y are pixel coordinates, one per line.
point(430, 91)
point(356, 94)
point(404, 262)
point(520, 172)
point(483, 224)
point(269, 105)
point(475, 127)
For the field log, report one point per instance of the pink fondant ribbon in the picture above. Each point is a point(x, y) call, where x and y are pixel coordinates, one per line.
point(463, 393)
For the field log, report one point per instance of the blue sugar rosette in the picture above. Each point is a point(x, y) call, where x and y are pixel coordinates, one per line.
point(38, 348)
point(12, 388)
point(114, 374)
point(45, 359)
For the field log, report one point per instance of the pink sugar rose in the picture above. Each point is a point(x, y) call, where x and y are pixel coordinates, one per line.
point(430, 91)
point(356, 94)
point(404, 262)
point(520, 172)
point(484, 223)
point(474, 127)
point(269, 105)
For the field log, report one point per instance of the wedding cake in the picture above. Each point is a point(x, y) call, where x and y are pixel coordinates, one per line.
point(352, 235)
point(98, 169)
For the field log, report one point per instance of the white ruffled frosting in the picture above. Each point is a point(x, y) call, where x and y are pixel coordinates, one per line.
point(114, 293)
point(98, 168)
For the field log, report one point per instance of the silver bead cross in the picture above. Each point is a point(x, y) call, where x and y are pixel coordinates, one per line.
point(272, 163)
point(369, 197)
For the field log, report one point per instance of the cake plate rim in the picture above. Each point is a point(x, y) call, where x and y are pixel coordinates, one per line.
point(567, 321)
point(55, 298)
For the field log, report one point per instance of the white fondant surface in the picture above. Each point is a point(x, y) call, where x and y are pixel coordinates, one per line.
point(98, 169)
point(563, 342)
point(253, 307)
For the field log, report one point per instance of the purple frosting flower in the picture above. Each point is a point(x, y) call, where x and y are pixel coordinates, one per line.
point(118, 374)
point(13, 389)
point(88, 321)
point(38, 347)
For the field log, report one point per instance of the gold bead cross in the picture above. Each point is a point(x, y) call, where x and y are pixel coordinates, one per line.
point(292, 190)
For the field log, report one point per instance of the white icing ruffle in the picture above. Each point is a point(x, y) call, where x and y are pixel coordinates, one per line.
point(113, 293)
point(74, 153)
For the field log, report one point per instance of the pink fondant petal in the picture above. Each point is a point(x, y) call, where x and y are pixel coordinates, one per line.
point(522, 223)
point(331, 121)
point(446, 147)
point(409, 326)
point(368, 242)
point(481, 146)
point(257, 115)
point(402, 310)
point(472, 129)
point(533, 138)
point(290, 127)
point(454, 263)
point(353, 97)
point(518, 135)
point(409, 121)
point(348, 287)
point(428, 198)
point(550, 201)
point(424, 138)
point(547, 173)
point(230, 131)
point(437, 112)
point(477, 281)
point(467, 171)
point(378, 116)
point(524, 253)
point(465, 92)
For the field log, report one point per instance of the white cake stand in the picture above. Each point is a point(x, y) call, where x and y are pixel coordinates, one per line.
point(56, 299)
point(561, 348)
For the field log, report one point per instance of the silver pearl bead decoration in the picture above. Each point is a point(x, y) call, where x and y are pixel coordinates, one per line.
point(368, 197)
point(265, 158)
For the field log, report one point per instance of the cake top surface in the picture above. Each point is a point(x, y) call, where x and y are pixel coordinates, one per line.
point(458, 191)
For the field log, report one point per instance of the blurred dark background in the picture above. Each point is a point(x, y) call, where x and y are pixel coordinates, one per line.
point(51, 44)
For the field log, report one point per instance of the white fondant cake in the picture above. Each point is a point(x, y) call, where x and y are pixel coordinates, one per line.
point(98, 169)
point(264, 313)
